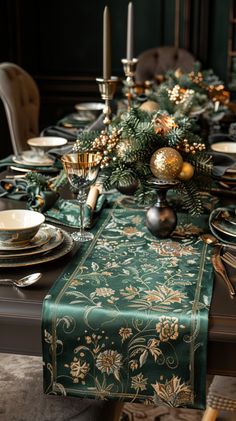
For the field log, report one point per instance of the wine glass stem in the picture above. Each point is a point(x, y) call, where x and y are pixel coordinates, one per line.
point(81, 199)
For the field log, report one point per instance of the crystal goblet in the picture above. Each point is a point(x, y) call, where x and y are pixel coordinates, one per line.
point(82, 170)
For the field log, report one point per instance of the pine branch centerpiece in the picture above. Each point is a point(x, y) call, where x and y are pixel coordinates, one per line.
point(142, 144)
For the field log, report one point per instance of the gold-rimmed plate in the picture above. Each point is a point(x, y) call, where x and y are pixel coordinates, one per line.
point(225, 228)
point(30, 157)
point(65, 247)
point(42, 237)
point(55, 239)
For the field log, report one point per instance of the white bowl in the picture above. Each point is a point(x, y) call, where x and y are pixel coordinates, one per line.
point(18, 226)
point(45, 143)
point(89, 106)
point(227, 147)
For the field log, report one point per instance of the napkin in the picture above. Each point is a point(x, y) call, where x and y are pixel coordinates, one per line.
point(21, 189)
point(221, 163)
point(67, 212)
point(13, 189)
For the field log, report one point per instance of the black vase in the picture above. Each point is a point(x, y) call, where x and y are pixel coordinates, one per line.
point(161, 219)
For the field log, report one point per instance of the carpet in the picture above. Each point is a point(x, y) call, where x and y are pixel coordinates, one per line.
point(22, 399)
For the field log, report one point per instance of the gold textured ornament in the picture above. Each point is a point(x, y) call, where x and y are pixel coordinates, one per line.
point(186, 172)
point(149, 106)
point(166, 163)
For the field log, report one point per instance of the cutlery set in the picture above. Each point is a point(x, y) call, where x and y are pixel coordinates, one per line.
point(229, 259)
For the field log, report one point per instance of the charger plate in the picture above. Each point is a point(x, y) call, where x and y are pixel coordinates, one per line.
point(65, 247)
point(55, 239)
point(225, 227)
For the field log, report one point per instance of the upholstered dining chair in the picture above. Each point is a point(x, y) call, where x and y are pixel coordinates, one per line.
point(221, 397)
point(157, 61)
point(20, 96)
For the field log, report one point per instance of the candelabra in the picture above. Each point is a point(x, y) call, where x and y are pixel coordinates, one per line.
point(129, 70)
point(107, 88)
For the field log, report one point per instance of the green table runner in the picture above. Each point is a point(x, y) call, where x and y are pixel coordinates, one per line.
point(128, 318)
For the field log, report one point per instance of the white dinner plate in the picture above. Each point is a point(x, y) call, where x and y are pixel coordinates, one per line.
point(227, 147)
point(65, 247)
point(55, 239)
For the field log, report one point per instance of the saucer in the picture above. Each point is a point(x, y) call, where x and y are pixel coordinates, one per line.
point(42, 237)
point(31, 158)
point(18, 159)
point(55, 239)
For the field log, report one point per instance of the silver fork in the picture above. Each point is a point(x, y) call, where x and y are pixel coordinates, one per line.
point(229, 259)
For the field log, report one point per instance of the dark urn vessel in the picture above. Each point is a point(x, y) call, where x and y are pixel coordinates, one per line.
point(161, 218)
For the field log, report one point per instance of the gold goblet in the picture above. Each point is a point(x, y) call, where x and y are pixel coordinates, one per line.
point(81, 169)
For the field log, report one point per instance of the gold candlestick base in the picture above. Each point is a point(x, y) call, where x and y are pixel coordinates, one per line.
point(129, 70)
point(107, 88)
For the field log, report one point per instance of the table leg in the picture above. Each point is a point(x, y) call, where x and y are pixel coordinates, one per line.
point(210, 414)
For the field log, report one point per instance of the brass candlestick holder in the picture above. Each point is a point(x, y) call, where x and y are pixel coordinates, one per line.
point(107, 88)
point(129, 70)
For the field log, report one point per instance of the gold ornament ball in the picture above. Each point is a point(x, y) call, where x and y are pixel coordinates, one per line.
point(149, 106)
point(186, 172)
point(166, 163)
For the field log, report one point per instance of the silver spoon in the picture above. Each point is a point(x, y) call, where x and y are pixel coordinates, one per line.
point(22, 282)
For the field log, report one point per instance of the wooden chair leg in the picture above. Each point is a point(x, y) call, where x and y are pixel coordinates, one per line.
point(210, 414)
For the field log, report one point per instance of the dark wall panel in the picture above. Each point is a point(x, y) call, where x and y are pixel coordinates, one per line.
point(60, 42)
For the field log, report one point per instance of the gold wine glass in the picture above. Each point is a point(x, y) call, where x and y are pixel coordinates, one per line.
point(82, 170)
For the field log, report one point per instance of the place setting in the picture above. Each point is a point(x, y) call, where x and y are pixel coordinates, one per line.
point(25, 239)
point(38, 156)
point(85, 114)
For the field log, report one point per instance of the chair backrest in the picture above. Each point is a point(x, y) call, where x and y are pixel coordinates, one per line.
point(21, 100)
point(157, 61)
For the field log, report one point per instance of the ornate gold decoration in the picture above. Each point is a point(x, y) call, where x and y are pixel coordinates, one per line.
point(186, 172)
point(196, 78)
point(105, 143)
point(179, 95)
point(163, 124)
point(166, 163)
point(218, 94)
point(186, 147)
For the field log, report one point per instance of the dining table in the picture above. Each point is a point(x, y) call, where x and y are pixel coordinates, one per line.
point(21, 311)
